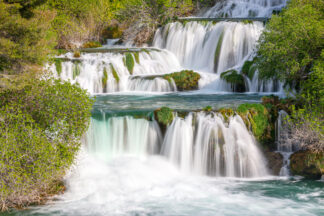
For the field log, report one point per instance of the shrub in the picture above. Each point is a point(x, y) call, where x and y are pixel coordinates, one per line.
point(40, 129)
point(164, 116)
point(256, 117)
point(235, 79)
point(185, 80)
point(92, 44)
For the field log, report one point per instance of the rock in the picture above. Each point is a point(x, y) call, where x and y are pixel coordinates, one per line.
point(275, 162)
point(308, 164)
point(322, 179)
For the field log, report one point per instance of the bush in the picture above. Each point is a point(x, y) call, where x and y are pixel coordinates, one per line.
point(235, 79)
point(185, 80)
point(92, 44)
point(164, 116)
point(257, 118)
point(40, 129)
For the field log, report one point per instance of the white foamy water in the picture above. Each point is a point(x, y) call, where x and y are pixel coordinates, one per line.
point(245, 8)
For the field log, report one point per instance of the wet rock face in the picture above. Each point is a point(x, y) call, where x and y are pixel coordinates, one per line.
point(307, 164)
point(275, 162)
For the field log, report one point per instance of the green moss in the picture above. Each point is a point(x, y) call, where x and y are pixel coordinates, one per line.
point(217, 51)
point(226, 113)
point(76, 54)
point(247, 22)
point(58, 66)
point(114, 73)
point(185, 80)
point(207, 109)
point(136, 55)
point(164, 116)
point(257, 117)
point(92, 44)
point(129, 62)
point(76, 69)
point(249, 69)
point(235, 79)
point(307, 163)
point(104, 80)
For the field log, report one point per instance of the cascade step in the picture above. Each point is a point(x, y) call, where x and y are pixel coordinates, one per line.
point(118, 50)
point(219, 19)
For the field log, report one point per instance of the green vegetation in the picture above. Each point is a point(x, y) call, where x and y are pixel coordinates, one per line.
point(226, 113)
point(92, 44)
point(76, 69)
point(307, 163)
point(58, 65)
point(77, 54)
point(129, 62)
point(256, 117)
point(185, 80)
point(235, 79)
point(164, 116)
point(208, 109)
point(249, 69)
point(104, 80)
point(114, 72)
point(217, 51)
point(41, 124)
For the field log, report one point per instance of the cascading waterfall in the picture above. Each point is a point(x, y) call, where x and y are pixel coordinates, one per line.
point(211, 147)
point(284, 144)
point(202, 144)
point(245, 8)
point(116, 136)
point(108, 72)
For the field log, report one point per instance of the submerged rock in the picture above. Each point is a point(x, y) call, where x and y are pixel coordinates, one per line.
point(308, 164)
point(275, 162)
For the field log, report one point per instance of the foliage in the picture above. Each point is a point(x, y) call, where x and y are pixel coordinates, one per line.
point(292, 42)
point(92, 44)
point(249, 69)
point(114, 72)
point(308, 164)
point(217, 51)
point(129, 62)
point(256, 116)
point(164, 116)
point(40, 129)
point(185, 80)
point(104, 80)
point(77, 54)
point(207, 109)
point(226, 113)
point(24, 41)
point(235, 79)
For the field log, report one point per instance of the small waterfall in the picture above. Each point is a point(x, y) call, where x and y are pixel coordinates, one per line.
point(152, 85)
point(211, 147)
point(116, 136)
point(284, 143)
point(245, 8)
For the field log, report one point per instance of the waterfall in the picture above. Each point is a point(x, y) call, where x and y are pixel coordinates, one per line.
point(245, 8)
point(211, 147)
point(202, 144)
point(107, 72)
point(116, 136)
point(213, 48)
point(284, 144)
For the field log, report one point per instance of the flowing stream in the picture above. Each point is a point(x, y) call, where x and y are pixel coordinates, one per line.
point(200, 164)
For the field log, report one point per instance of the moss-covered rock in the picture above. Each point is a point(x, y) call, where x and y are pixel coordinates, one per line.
point(207, 109)
point(76, 69)
point(217, 51)
point(104, 80)
point(226, 113)
point(185, 80)
point(129, 62)
point(256, 117)
point(249, 69)
point(164, 116)
point(91, 44)
point(112, 32)
point(114, 73)
point(77, 54)
point(235, 79)
point(275, 162)
point(307, 163)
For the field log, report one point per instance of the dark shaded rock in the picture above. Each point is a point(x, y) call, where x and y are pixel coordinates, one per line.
point(275, 162)
point(307, 163)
